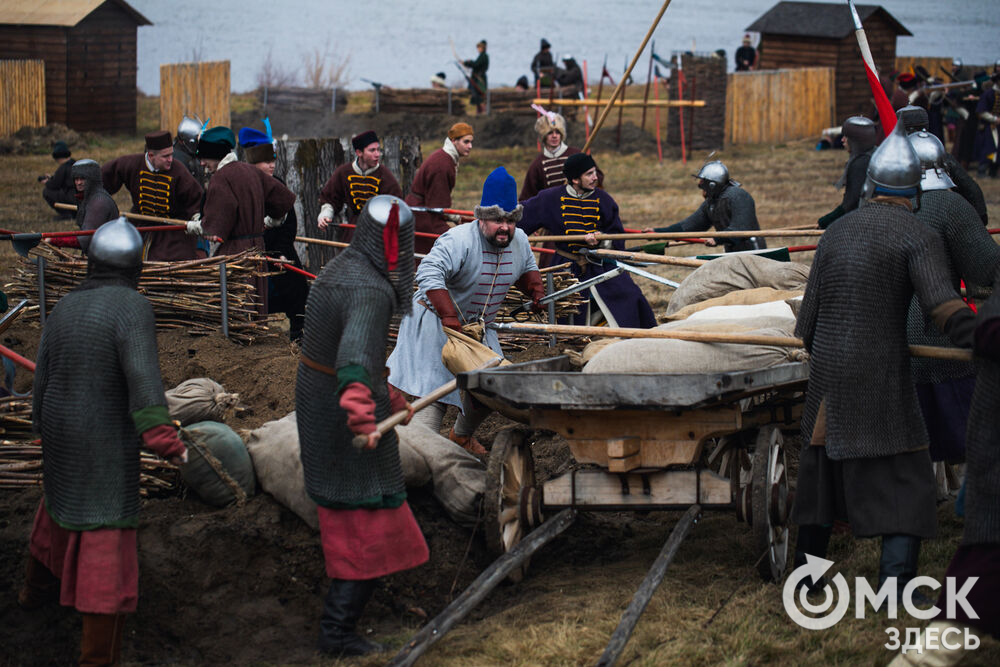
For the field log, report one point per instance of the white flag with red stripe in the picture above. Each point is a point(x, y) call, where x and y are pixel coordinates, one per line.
point(886, 114)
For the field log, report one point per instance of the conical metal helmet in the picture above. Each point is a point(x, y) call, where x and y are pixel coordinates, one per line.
point(914, 118)
point(116, 244)
point(930, 152)
point(372, 238)
point(188, 131)
point(715, 174)
point(894, 168)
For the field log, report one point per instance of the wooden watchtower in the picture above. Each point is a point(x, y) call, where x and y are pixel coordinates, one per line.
point(89, 49)
point(821, 34)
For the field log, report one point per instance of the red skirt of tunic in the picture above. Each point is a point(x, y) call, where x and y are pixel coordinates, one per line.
point(98, 569)
point(365, 544)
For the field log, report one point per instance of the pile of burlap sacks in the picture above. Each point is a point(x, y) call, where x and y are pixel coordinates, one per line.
point(734, 294)
point(225, 468)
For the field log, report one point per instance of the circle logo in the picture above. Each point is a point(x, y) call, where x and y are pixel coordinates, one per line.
point(820, 616)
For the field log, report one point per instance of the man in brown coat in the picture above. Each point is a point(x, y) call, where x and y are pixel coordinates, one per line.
point(433, 183)
point(240, 201)
point(353, 184)
point(160, 187)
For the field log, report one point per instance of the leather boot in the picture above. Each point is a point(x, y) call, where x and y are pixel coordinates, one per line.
point(40, 586)
point(812, 540)
point(344, 603)
point(101, 639)
point(467, 442)
point(900, 554)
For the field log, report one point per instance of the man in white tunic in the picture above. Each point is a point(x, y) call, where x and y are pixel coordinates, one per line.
point(463, 280)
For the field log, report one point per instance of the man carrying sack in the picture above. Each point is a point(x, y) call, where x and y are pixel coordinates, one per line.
point(461, 284)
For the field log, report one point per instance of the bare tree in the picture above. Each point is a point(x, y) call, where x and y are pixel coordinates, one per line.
point(321, 69)
point(273, 75)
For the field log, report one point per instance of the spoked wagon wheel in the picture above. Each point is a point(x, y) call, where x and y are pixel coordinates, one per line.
point(770, 503)
point(512, 503)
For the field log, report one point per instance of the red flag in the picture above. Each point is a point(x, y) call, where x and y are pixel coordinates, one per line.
point(886, 114)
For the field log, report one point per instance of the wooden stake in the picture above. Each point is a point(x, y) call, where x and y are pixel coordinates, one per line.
point(621, 84)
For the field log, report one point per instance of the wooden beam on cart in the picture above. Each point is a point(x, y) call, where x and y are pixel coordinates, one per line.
point(648, 586)
point(621, 103)
point(926, 351)
point(479, 588)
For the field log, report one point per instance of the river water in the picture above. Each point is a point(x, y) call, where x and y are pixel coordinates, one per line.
point(402, 43)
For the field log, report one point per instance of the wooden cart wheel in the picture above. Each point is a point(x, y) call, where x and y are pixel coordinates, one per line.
point(512, 503)
point(769, 503)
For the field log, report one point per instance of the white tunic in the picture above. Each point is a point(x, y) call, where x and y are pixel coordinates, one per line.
point(477, 274)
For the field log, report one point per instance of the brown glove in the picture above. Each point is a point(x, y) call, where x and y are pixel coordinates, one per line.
point(531, 284)
point(443, 306)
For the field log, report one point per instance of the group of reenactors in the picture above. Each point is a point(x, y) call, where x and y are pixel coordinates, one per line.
point(866, 455)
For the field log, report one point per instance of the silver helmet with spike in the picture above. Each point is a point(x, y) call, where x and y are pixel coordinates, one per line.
point(894, 169)
point(188, 131)
point(713, 176)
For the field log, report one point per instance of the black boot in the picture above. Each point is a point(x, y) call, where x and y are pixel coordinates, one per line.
point(900, 554)
point(812, 540)
point(342, 608)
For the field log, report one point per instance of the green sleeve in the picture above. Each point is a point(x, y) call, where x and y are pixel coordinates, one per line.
point(353, 373)
point(148, 417)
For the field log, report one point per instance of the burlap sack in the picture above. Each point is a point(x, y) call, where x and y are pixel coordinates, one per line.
point(743, 297)
point(769, 309)
point(737, 272)
point(219, 468)
point(462, 353)
point(198, 400)
point(459, 478)
point(680, 356)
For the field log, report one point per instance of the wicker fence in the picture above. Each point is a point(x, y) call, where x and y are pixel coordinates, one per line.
point(200, 89)
point(22, 95)
point(772, 106)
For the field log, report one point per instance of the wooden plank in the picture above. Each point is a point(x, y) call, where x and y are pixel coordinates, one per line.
point(22, 95)
point(653, 453)
point(621, 447)
point(624, 464)
point(668, 488)
point(194, 88)
point(773, 106)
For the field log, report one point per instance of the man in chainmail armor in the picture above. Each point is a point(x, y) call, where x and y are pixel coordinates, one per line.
point(96, 206)
point(945, 387)
point(186, 147)
point(915, 119)
point(976, 565)
point(865, 448)
point(463, 281)
point(727, 207)
point(366, 526)
point(97, 398)
point(859, 137)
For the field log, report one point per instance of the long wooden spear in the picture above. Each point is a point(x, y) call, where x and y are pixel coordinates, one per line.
point(927, 351)
point(621, 84)
point(649, 236)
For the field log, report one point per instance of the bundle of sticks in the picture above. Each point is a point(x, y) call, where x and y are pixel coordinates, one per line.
point(184, 295)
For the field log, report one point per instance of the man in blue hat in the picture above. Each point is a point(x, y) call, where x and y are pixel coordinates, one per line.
point(463, 281)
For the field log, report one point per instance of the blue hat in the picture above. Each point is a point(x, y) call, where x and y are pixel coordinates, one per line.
point(251, 137)
point(499, 198)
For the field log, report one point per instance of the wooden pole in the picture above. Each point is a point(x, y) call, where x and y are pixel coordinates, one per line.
point(621, 110)
point(586, 116)
point(397, 418)
point(656, 97)
point(926, 351)
point(480, 588)
point(621, 84)
point(649, 79)
point(652, 236)
point(570, 102)
point(648, 586)
point(648, 257)
point(680, 96)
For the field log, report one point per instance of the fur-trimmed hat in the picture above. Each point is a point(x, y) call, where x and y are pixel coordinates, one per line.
point(257, 146)
point(363, 140)
point(499, 198)
point(550, 121)
point(156, 141)
point(216, 142)
point(459, 130)
point(577, 165)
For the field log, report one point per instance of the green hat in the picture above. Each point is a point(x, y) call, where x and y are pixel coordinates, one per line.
point(216, 142)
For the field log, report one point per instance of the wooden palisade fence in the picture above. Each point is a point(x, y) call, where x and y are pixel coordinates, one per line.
point(771, 106)
point(22, 95)
point(194, 88)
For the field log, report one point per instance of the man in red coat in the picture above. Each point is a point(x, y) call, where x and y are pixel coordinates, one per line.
point(240, 201)
point(353, 184)
point(434, 181)
point(160, 187)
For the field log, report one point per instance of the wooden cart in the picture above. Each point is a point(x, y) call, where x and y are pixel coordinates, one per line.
point(655, 441)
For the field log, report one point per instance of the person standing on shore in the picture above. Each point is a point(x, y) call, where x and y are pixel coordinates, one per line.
point(477, 77)
point(433, 183)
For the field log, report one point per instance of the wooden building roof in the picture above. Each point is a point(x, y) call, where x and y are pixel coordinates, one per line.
point(64, 13)
point(819, 19)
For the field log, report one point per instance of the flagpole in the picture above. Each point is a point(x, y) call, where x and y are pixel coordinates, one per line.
point(886, 114)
